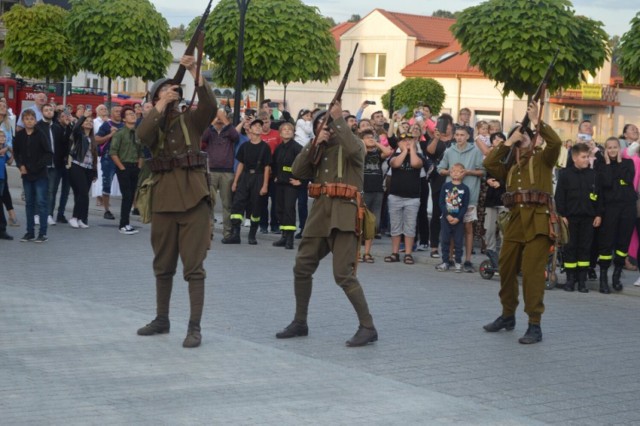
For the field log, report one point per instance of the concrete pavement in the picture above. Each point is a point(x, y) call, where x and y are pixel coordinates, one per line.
point(69, 309)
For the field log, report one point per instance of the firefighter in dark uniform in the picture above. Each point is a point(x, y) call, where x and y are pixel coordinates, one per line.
point(526, 239)
point(618, 221)
point(250, 183)
point(180, 197)
point(578, 201)
point(332, 223)
point(286, 185)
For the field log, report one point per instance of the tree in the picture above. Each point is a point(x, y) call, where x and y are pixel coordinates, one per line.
point(354, 18)
point(332, 22)
point(177, 33)
point(513, 42)
point(285, 41)
point(412, 91)
point(444, 14)
point(120, 38)
point(628, 59)
point(36, 44)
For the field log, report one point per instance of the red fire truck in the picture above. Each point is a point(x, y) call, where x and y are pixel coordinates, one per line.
point(20, 95)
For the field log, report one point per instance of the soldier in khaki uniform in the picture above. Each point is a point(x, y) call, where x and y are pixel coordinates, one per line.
point(331, 225)
point(526, 239)
point(180, 198)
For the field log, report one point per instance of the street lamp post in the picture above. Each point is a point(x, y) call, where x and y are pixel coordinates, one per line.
point(243, 5)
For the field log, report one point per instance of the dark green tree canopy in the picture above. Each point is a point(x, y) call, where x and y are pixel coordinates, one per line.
point(513, 42)
point(37, 45)
point(413, 91)
point(629, 53)
point(285, 41)
point(120, 38)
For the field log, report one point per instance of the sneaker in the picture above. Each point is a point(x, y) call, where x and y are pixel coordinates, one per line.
point(128, 230)
point(36, 219)
point(62, 219)
point(109, 215)
point(458, 267)
point(443, 267)
point(435, 254)
point(247, 223)
point(51, 221)
point(468, 267)
point(28, 237)
point(82, 225)
point(422, 247)
point(5, 236)
point(73, 222)
point(41, 239)
point(637, 283)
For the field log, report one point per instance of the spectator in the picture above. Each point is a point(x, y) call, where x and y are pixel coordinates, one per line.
point(39, 101)
point(352, 122)
point(83, 170)
point(304, 127)
point(483, 137)
point(493, 206)
point(219, 142)
point(454, 201)
point(464, 118)
point(495, 126)
point(273, 139)
point(423, 215)
point(275, 122)
point(6, 127)
point(4, 149)
point(103, 139)
point(629, 135)
point(102, 115)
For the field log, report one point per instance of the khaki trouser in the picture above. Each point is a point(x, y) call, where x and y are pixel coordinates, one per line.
point(311, 250)
point(221, 182)
point(533, 256)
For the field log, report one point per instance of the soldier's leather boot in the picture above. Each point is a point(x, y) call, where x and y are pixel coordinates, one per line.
point(282, 242)
point(570, 284)
point(508, 323)
point(160, 325)
point(604, 284)
point(194, 338)
point(252, 233)
point(295, 329)
point(234, 238)
point(615, 278)
point(289, 243)
point(533, 334)
point(582, 280)
point(363, 336)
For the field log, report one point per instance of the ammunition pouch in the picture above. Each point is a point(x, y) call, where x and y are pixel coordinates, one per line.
point(333, 190)
point(528, 197)
point(188, 160)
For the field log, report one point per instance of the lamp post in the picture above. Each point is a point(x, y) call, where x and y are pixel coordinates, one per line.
point(243, 5)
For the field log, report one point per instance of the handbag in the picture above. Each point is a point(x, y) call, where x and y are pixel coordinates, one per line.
point(369, 225)
point(144, 199)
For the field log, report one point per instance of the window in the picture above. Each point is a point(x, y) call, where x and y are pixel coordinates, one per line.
point(375, 65)
point(440, 59)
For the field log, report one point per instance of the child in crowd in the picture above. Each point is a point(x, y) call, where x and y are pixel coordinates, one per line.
point(577, 200)
point(454, 201)
point(482, 134)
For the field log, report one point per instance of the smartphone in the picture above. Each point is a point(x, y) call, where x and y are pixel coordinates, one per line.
point(249, 112)
point(442, 125)
point(370, 102)
point(88, 107)
point(402, 111)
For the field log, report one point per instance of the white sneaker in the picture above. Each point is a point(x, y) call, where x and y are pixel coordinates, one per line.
point(637, 283)
point(422, 247)
point(443, 267)
point(247, 223)
point(36, 219)
point(51, 221)
point(73, 222)
point(458, 267)
point(128, 230)
point(82, 225)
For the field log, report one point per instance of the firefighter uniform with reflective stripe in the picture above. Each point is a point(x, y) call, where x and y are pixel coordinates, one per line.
point(286, 193)
point(254, 158)
point(618, 221)
point(578, 199)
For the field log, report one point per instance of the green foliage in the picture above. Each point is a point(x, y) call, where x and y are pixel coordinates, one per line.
point(285, 41)
point(444, 14)
point(513, 42)
point(177, 33)
point(36, 44)
point(354, 18)
point(629, 59)
point(413, 91)
point(120, 38)
point(191, 29)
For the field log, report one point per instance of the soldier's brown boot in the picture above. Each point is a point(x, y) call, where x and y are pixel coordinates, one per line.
point(363, 336)
point(194, 338)
point(160, 325)
point(295, 329)
point(534, 333)
point(508, 323)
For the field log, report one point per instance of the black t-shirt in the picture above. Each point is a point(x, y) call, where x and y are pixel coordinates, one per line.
point(249, 153)
point(405, 180)
point(373, 171)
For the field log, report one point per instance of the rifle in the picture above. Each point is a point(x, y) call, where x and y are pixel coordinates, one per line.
point(536, 97)
point(196, 40)
point(317, 147)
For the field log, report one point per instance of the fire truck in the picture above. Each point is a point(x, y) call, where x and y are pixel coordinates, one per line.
point(20, 95)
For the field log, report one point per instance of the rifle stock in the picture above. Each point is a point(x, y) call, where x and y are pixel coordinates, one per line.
point(316, 145)
point(191, 47)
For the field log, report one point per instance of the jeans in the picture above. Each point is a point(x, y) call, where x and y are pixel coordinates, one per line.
point(36, 193)
point(58, 177)
point(80, 179)
point(3, 219)
point(446, 232)
point(108, 171)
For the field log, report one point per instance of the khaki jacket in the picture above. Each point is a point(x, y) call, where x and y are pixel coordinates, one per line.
point(333, 213)
point(180, 189)
point(527, 221)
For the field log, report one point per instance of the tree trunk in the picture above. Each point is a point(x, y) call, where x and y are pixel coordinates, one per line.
point(109, 93)
point(260, 92)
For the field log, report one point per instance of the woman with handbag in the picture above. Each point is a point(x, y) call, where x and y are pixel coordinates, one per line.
point(83, 168)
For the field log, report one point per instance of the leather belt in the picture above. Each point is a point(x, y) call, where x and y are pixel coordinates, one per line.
point(529, 197)
point(189, 160)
